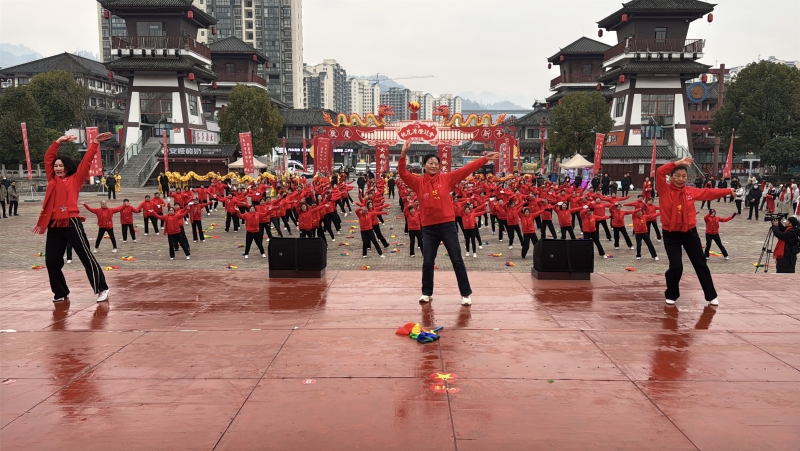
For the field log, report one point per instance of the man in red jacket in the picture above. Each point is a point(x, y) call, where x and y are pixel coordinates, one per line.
point(105, 223)
point(712, 231)
point(126, 219)
point(679, 222)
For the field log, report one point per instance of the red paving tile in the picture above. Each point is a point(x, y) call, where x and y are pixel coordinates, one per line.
point(217, 360)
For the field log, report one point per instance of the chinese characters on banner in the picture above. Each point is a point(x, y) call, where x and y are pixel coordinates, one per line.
point(305, 156)
point(322, 155)
point(445, 157)
point(653, 161)
point(96, 169)
point(381, 159)
point(599, 140)
point(246, 144)
point(726, 173)
point(27, 150)
point(504, 147)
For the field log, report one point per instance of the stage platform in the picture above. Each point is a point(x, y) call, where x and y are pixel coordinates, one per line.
point(231, 360)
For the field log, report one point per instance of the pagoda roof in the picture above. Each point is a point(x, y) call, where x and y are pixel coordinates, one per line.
point(655, 67)
point(74, 64)
point(534, 118)
point(637, 152)
point(690, 7)
point(225, 91)
point(582, 46)
point(235, 45)
point(129, 63)
point(200, 16)
point(605, 92)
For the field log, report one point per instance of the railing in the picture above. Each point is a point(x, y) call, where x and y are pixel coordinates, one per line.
point(147, 168)
point(655, 46)
point(160, 43)
point(701, 115)
point(259, 80)
point(241, 78)
point(556, 81)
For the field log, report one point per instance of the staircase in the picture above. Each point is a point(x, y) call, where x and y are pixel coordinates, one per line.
point(139, 167)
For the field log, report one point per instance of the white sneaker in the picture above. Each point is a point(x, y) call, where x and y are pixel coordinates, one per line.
point(145, 234)
point(655, 258)
point(501, 240)
point(203, 241)
point(188, 257)
point(172, 258)
point(94, 251)
point(263, 255)
point(209, 213)
point(246, 256)
point(364, 256)
point(631, 247)
point(69, 261)
point(333, 239)
point(480, 247)
point(511, 247)
point(338, 232)
point(156, 233)
point(424, 298)
point(474, 255)
point(114, 251)
point(727, 258)
point(413, 255)
point(465, 300)
point(658, 241)
point(103, 296)
point(638, 258)
point(616, 247)
point(670, 302)
point(134, 241)
point(383, 256)
point(714, 301)
point(194, 241)
point(708, 258)
point(605, 256)
point(124, 241)
point(345, 214)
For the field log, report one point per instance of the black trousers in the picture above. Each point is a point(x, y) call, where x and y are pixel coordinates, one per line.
point(174, 240)
point(285, 219)
point(320, 232)
point(391, 192)
point(56, 244)
point(125, 229)
point(307, 233)
point(3, 204)
point(231, 217)
point(738, 206)
point(151, 220)
point(13, 205)
point(367, 239)
point(595, 237)
point(705, 202)
point(785, 265)
point(624, 232)
point(502, 225)
point(469, 237)
point(101, 233)
point(264, 227)
point(415, 235)
point(604, 223)
point(527, 239)
point(512, 229)
point(753, 208)
point(547, 224)
point(249, 238)
point(654, 224)
point(646, 238)
point(197, 230)
point(674, 243)
point(576, 218)
point(493, 219)
point(377, 229)
point(446, 233)
point(714, 238)
point(276, 222)
point(567, 230)
point(625, 190)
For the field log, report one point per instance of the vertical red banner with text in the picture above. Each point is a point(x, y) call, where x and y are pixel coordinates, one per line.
point(305, 156)
point(503, 146)
point(599, 140)
point(166, 152)
point(445, 157)
point(322, 155)
point(246, 144)
point(96, 169)
point(27, 150)
point(381, 159)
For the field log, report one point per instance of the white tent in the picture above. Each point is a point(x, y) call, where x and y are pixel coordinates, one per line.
point(576, 162)
point(239, 164)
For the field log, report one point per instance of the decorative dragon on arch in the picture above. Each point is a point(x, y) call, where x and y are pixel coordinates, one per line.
point(473, 120)
point(355, 118)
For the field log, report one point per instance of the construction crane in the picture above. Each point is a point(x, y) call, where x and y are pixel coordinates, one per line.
point(386, 77)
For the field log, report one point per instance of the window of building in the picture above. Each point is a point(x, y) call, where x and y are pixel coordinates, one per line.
point(287, 23)
point(259, 23)
point(151, 28)
point(287, 67)
point(661, 33)
point(532, 133)
point(657, 105)
point(155, 107)
point(237, 23)
point(230, 69)
point(587, 69)
point(259, 34)
point(287, 55)
point(248, 14)
point(202, 32)
point(258, 12)
point(239, 34)
point(286, 12)
point(287, 33)
point(248, 4)
point(192, 104)
point(92, 101)
point(249, 35)
point(619, 110)
point(91, 83)
point(248, 25)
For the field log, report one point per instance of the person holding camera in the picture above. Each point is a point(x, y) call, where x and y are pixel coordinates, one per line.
point(786, 249)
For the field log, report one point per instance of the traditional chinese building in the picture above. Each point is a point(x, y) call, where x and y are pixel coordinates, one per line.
point(579, 64)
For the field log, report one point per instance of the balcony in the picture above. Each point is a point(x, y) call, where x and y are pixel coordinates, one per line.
point(160, 43)
point(241, 78)
point(632, 46)
point(572, 78)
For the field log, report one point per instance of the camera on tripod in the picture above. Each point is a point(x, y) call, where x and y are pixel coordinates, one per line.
point(769, 217)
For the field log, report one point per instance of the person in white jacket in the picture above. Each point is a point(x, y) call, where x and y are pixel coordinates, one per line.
point(739, 198)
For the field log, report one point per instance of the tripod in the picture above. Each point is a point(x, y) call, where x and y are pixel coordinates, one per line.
point(766, 249)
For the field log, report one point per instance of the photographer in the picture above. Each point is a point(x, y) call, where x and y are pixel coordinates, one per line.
point(786, 232)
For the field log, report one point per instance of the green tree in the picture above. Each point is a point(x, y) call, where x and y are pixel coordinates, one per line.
point(783, 152)
point(761, 104)
point(250, 109)
point(16, 106)
point(61, 99)
point(575, 121)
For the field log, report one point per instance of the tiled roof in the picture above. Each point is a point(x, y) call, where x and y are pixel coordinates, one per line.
point(225, 91)
point(583, 45)
point(534, 117)
point(200, 15)
point(304, 117)
point(297, 143)
point(73, 64)
point(655, 67)
point(234, 45)
point(636, 152)
point(129, 63)
point(608, 93)
point(651, 6)
point(530, 144)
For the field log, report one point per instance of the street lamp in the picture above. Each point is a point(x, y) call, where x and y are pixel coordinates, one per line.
point(750, 158)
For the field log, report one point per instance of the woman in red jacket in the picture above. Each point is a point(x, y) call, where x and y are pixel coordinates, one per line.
point(642, 234)
point(305, 219)
point(712, 231)
point(469, 219)
point(365, 218)
point(148, 209)
point(565, 219)
point(618, 224)
point(528, 221)
point(126, 219)
point(414, 228)
point(589, 226)
point(173, 223)
point(252, 226)
point(60, 218)
point(105, 224)
point(679, 222)
point(196, 218)
point(438, 218)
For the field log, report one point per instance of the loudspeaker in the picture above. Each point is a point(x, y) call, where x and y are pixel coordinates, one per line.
point(297, 257)
point(563, 259)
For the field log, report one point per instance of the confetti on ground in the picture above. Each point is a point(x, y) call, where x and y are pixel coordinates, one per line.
point(550, 381)
point(345, 254)
point(495, 255)
point(398, 244)
point(349, 237)
point(511, 264)
point(485, 243)
point(215, 237)
point(240, 246)
point(609, 256)
point(715, 254)
point(365, 267)
point(394, 251)
point(128, 258)
point(40, 254)
point(344, 243)
point(445, 254)
point(230, 266)
point(630, 269)
point(38, 267)
point(435, 267)
point(393, 236)
point(112, 268)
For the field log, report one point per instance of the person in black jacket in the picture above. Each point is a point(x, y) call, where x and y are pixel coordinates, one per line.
point(391, 183)
point(787, 235)
point(595, 182)
point(606, 181)
point(723, 184)
point(626, 184)
point(111, 185)
point(361, 182)
point(753, 196)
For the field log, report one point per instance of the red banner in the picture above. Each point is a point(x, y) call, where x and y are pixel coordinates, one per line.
point(726, 173)
point(653, 161)
point(541, 156)
point(417, 132)
point(246, 144)
point(599, 140)
point(381, 159)
point(445, 157)
point(96, 169)
point(504, 148)
point(27, 149)
point(322, 155)
point(305, 156)
point(166, 152)
point(517, 155)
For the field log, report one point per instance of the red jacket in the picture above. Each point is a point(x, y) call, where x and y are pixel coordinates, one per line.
point(105, 216)
point(305, 219)
point(589, 222)
point(565, 216)
point(251, 221)
point(74, 182)
point(677, 204)
point(618, 217)
point(148, 208)
point(172, 223)
point(413, 220)
point(196, 211)
point(712, 223)
point(126, 214)
point(640, 223)
point(528, 222)
point(365, 220)
point(434, 192)
point(468, 220)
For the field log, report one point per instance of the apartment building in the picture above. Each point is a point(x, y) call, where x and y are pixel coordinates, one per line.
point(364, 96)
point(325, 85)
point(425, 102)
point(397, 98)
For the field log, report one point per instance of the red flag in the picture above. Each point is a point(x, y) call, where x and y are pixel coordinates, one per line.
point(285, 156)
point(96, 169)
point(246, 144)
point(381, 159)
point(653, 161)
point(445, 157)
point(305, 158)
point(166, 152)
point(599, 140)
point(27, 150)
point(726, 173)
point(322, 155)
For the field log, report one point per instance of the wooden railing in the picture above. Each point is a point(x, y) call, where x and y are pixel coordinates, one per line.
point(160, 43)
point(241, 78)
point(556, 81)
point(655, 46)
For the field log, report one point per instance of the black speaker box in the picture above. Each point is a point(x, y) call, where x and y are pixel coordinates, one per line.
point(297, 257)
point(563, 260)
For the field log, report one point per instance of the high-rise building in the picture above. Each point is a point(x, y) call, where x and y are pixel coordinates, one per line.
point(363, 96)
point(326, 85)
point(453, 102)
point(425, 103)
point(274, 27)
point(397, 98)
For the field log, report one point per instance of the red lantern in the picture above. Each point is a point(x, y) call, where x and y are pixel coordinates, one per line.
point(622, 78)
point(110, 75)
point(266, 65)
point(255, 57)
point(106, 14)
point(710, 17)
point(190, 14)
point(547, 105)
point(599, 86)
point(704, 78)
point(561, 58)
point(191, 76)
point(214, 30)
point(599, 33)
point(624, 17)
point(549, 65)
point(214, 85)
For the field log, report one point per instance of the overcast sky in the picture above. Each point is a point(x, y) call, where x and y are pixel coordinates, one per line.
point(494, 50)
